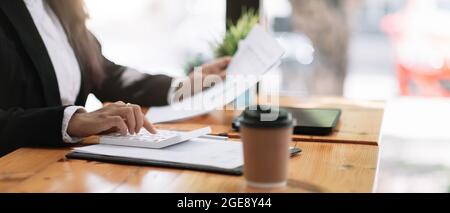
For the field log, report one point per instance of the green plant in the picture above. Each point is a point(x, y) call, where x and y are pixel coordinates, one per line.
point(236, 33)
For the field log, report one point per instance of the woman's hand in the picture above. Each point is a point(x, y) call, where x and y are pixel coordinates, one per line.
point(117, 117)
point(215, 69)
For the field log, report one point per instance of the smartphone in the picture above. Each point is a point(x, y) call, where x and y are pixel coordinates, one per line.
point(317, 121)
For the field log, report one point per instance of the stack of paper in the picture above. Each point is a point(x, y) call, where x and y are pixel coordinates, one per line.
point(202, 152)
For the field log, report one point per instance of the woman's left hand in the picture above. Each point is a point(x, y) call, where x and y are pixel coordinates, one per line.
point(202, 78)
point(217, 67)
point(215, 70)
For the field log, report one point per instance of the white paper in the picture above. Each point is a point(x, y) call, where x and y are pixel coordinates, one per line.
point(206, 152)
point(256, 55)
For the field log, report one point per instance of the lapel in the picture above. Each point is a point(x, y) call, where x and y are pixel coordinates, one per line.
point(23, 23)
point(83, 93)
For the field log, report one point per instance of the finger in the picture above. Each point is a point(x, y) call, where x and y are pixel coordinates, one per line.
point(149, 126)
point(139, 116)
point(119, 104)
point(110, 131)
point(116, 122)
point(224, 61)
point(215, 71)
point(223, 75)
point(113, 105)
point(128, 114)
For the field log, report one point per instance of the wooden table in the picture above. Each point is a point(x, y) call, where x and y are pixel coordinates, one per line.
point(345, 161)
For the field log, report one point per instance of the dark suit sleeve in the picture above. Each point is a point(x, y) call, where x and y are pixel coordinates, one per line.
point(33, 128)
point(129, 85)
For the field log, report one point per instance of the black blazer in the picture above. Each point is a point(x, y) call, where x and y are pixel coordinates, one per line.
point(31, 112)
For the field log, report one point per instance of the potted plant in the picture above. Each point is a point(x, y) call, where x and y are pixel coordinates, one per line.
point(229, 46)
point(230, 42)
point(236, 33)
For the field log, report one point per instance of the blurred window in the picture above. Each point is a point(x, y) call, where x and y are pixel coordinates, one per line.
point(157, 36)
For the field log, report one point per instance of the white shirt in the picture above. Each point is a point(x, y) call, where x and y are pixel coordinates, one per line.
point(59, 49)
point(65, 64)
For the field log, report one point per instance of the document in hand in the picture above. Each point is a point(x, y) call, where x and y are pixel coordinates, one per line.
point(256, 55)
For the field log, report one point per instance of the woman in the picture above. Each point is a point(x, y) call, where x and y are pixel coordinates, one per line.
point(50, 62)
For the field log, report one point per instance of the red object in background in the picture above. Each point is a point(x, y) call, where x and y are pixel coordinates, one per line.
point(413, 79)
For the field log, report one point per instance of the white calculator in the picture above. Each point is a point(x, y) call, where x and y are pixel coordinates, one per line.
point(163, 138)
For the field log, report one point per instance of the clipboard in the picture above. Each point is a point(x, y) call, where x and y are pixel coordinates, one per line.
point(238, 171)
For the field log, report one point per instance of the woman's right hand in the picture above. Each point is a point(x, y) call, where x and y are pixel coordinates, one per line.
point(114, 118)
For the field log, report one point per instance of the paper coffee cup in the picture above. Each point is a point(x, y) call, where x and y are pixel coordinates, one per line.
point(266, 147)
